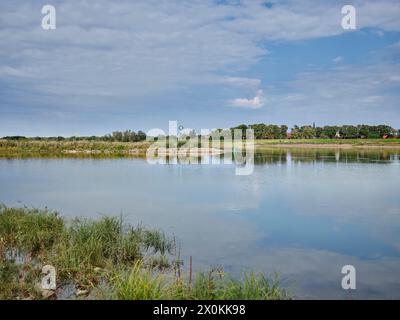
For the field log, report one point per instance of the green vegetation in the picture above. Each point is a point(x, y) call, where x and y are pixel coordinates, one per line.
point(125, 136)
point(51, 148)
point(141, 283)
point(321, 141)
point(129, 143)
point(33, 148)
point(107, 259)
point(261, 131)
point(264, 131)
point(116, 136)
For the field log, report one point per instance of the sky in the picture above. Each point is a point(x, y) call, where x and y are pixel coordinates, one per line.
point(116, 65)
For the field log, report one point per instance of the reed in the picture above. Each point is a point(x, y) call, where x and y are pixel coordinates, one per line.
point(131, 262)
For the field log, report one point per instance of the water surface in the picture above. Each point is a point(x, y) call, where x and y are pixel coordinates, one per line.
point(302, 213)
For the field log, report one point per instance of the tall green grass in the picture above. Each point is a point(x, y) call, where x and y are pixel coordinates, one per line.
point(29, 230)
point(147, 284)
point(132, 261)
point(76, 248)
point(137, 283)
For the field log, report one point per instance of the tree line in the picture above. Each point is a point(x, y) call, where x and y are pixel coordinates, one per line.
point(116, 136)
point(261, 131)
point(362, 131)
point(125, 136)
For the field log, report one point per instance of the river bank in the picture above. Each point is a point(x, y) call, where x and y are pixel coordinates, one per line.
point(329, 143)
point(33, 148)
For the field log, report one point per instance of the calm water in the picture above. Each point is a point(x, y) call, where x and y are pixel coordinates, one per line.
point(303, 214)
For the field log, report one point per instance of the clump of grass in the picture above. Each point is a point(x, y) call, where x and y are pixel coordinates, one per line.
point(130, 262)
point(31, 231)
point(139, 283)
point(158, 241)
point(160, 262)
point(142, 283)
point(216, 285)
point(18, 281)
point(80, 248)
point(8, 278)
point(96, 244)
point(104, 243)
point(253, 286)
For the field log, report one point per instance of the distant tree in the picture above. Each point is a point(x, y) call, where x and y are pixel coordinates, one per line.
point(348, 132)
point(15, 138)
point(141, 136)
point(241, 127)
point(276, 132)
point(329, 132)
point(295, 131)
point(307, 132)
point(221, 134)
point(363, 131)
point(319, 132)
point(270, 131)
point(117, 136)
point(259, 130)
point(385, 130)
point(283, 132)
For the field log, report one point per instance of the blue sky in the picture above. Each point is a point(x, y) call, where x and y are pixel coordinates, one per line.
point(207, 64)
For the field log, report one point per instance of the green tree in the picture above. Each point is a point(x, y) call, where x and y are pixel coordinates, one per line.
point(283, 132)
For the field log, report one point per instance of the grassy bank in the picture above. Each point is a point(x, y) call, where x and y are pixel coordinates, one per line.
point(33, 148)
point(330, 142)
point(107, 259)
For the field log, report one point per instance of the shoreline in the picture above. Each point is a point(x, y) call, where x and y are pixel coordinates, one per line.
point(32, 148)
point(328, 146)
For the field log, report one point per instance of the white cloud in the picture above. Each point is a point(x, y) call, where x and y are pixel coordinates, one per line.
point(139, 49)
point(338, 59)
point(119, 58)
point(349, 94)
point(255, 103)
